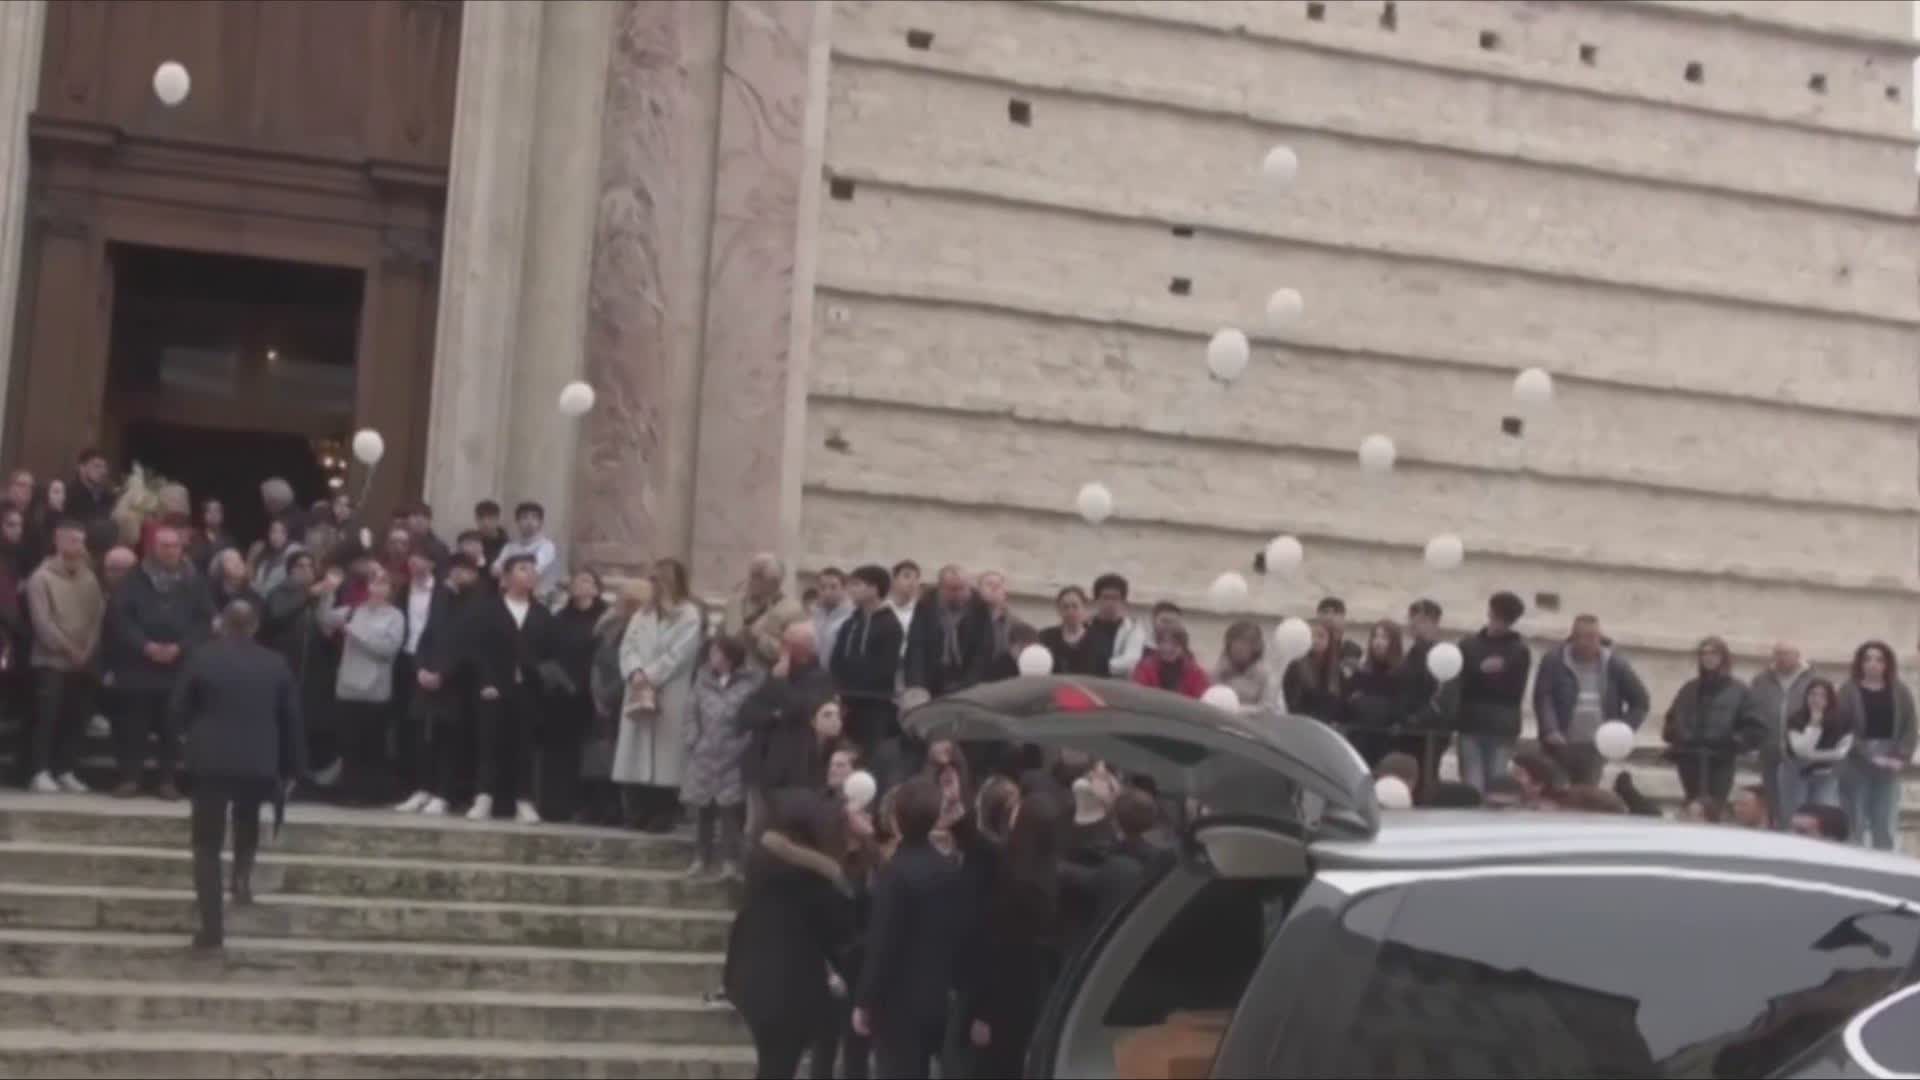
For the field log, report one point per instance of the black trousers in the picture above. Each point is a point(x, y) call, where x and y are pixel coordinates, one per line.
point(908, 1051)
point(559, 735)
point(1705, 774)
point(214, 797)
point(362, 728)
point(836, 1033)
point(406, 721)
point(65, 704)
point(503, 751)
point(144, 713)
point(778, 1049)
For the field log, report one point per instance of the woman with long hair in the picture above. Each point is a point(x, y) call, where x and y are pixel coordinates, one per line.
point(1076, 648)
point(569, 696)
point(1243, 666)
point(1818, 742)
point(601, 797)
point(1710, 722)
point(1019, 939)
point(1378, 698)
point(210, 536)
point(1879, 710)
point(711, 789)
point(269, 557)
point(1316, 684)
point(1170, 664)
point(657, 659)
point(371, 634)
point(786, 948)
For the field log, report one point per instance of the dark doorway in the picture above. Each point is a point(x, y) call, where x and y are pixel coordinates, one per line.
point(224, 371)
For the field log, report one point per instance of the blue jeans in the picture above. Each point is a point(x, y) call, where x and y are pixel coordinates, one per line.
point(1483, 757)
point(1874, 804)
point(1797, 789)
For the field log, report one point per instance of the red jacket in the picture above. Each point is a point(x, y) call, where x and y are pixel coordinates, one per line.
point(1193, 681)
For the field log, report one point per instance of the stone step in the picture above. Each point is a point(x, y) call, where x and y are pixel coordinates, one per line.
point(101, 1055)
point(363, 1012)
point(77, 820)
point(101, 955)
point(367, 918)
point(326, 875)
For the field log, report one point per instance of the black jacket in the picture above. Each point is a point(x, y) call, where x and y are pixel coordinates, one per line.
point(237, 703)
point(448, 615)
point(141, 613)
point(866, 657)
point(1490, 701)
point(928, 666)
point(1092, 655)
point(573, 643)
point(779, 716)
point(919, 928)
point(502, 654)
point(1378, 699)
point(795, 926)
point(1430, 704)
point(1324, 698)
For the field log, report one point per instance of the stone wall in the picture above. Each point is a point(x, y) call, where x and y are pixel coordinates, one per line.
point(1699, 218)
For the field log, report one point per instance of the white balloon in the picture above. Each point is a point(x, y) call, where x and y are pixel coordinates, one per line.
point(1221, 697)
point(1377, 453)
point(1036, 660)
point(1392, 793)
point(1614, 740)
point(171, 83)
point(1283, 307)
point(1533, 387)
point(1292, 639)
point(576, 399)
point(1228, 588)
point(368, 446)
point(1445, 552)
point(1227, 354)
point(1284, 555)
point(1280, 166)
point(1444, 661)
point(859, 790)
point(1095, 503)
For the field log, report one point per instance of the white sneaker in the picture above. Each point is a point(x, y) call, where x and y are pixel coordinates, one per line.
point(330, 775)
point(525, 814)
point(482, 809)
point(44, 784)
point(436, 807)
point(415, 804)
point(99, 728)
point(72, 784)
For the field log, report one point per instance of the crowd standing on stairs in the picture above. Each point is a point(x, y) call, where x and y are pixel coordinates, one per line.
point(904, 904)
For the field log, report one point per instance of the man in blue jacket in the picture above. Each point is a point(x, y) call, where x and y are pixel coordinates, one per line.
point(1582, 684)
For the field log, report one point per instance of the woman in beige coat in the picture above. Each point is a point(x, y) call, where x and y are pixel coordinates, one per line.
point(657, 658)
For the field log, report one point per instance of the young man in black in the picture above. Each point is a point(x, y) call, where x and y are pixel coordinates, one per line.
point(507, 641)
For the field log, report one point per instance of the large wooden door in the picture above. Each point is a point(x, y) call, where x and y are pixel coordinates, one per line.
point(315, 132)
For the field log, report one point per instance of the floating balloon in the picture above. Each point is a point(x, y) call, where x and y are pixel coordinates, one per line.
point(1227, 354)
point(1614, 740)
point(368, 446)
point(1221, 697)
point(1292, 639)
point(1280, 166)
point(576, 399)
point(1445, 552)
point(1227, 589)
point(1036, 660)
point(1283, 307)
point(1377, 453)
point(1095, 503)
point(1392, 793)
point(859, 790)
point(1533, 387)
point(1444, 661)
point(171, 83)
point(1284, 555)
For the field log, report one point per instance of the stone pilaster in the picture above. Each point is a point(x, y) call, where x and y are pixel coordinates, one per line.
point(22, 24)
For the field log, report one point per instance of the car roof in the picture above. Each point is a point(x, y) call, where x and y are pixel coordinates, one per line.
point(1437, 838)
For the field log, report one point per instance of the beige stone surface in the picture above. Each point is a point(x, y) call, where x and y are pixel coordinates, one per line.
point(22, 24)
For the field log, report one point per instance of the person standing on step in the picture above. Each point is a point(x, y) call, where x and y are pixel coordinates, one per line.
point(657, 658)
point(237, 699)
point(444, 693)
point(509, 643)
point(67, 608)
point(158, 615)
point(371, 636)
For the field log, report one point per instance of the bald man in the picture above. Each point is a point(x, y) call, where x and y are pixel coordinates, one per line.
point(951, 646)
point(1778, 692)
point(761, 610)
point(780, 711)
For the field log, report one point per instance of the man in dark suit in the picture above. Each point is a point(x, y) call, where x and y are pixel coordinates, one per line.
point(442, 695)
point(506, 642)
point(236, 700)
point(951, 642)
point(156, 619)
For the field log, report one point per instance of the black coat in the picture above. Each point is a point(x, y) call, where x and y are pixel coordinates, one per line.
point(236, 701)
point(779, 716)
point(141, 613)
point(439, 650)
point(573, 643)
point(502, 654)
point(1092, 655)
point(927, 665)
point(1378, 699)
point(794, 927)
point(1490, 701)
point(866, 657)
point(918, 930)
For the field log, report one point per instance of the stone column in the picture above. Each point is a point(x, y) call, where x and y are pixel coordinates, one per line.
point(22, 24)
point(574, 45)
point(479, 315)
